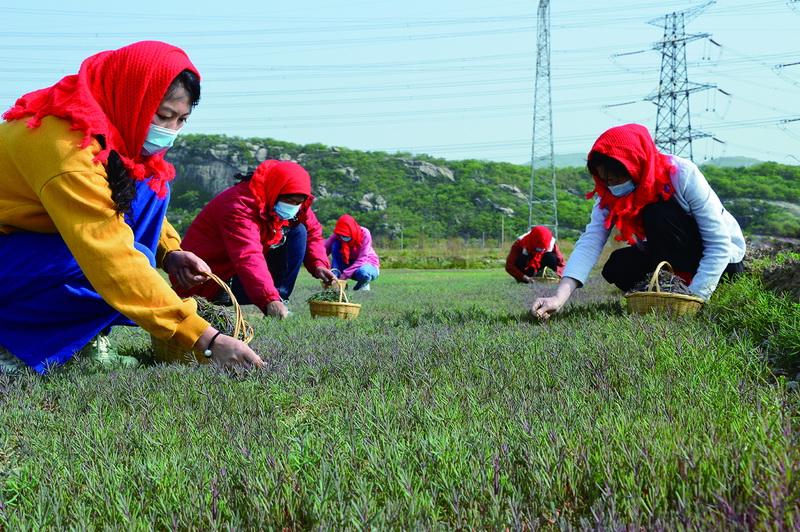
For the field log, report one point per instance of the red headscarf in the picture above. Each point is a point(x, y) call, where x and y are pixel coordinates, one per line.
point(537, 242)
point(273, 178)
point(346, 225)
point(115, 94)
point(650, 170)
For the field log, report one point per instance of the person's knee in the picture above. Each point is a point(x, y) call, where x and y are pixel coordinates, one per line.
point(522, 262)
point(656, 211)
point(610, 271)
point(365, 274)
point(298, 233)
point(550, 260)
point(295, 246)
point(625, 267)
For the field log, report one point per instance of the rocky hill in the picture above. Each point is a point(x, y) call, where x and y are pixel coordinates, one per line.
point(400, 195)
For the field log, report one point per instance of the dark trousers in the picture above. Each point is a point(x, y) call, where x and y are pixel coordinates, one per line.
point(549, 259)
point(672, 236)
point(283, 263)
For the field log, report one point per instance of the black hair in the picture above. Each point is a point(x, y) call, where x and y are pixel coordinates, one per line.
point(239, 177)
point(123, 188)
point(611, 165)
point(188, 81)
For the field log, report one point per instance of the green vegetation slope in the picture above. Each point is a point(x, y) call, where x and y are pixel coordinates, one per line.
point(404, 196)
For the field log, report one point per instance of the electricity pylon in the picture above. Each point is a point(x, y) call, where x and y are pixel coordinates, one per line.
point(542, 204)
point(674, 132)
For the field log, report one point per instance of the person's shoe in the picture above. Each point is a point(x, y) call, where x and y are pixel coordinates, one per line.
point(9, 364)
point(365, 288)
point(99, 350)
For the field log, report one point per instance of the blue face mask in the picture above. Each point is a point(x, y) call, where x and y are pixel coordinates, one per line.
point(159, 139)
point(346, 238)
point(286, 211)
point(623, 189)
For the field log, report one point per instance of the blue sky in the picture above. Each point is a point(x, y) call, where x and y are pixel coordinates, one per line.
point(448, 79)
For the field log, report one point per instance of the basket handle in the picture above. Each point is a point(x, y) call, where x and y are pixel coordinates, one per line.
point(341, 287)
point(341, 293)
point(240, 326)
point(654, 278)
point(328, 285)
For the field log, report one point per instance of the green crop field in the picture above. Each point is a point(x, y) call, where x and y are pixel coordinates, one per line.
point(441, 406)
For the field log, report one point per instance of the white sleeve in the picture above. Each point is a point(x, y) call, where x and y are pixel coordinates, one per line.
point(705, 206)
point(589, 246)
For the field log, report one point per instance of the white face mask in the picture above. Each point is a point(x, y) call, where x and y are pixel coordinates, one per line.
point(623, 189)
point(286, 211)
point(158, 140)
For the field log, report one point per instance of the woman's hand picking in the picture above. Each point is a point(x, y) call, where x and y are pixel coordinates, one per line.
point(229, 352)
point(186, 268)
point(324, 274)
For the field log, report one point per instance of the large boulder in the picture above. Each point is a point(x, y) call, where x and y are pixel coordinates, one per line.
point(372, 202)
point(425, 170)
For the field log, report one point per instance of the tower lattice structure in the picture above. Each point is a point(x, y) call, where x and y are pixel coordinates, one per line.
point(674, 133)
point(542, 206)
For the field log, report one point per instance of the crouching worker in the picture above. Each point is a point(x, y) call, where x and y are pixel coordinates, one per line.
point(83, 193)
point(350, 248)
point(255, 236)
point(664, 207)
point(532, 253)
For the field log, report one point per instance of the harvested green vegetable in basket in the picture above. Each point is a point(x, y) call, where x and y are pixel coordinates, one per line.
point(667, 282)
point(331, 296)
point(221, 318)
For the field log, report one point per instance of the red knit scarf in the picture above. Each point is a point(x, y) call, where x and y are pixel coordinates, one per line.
point(346, 225)
point(537, 242)
point(650, 170)
point(115, 94)
point(273, 178)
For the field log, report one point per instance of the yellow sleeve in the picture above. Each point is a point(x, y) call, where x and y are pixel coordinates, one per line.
point(51, 185)
point(80, 206)
point(169, 240)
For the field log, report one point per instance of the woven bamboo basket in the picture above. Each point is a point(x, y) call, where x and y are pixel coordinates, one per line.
point(342, 309)
point(654, 300)
point(171, 351)
point(545, 278)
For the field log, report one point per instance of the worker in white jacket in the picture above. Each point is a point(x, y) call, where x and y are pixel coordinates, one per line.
point(664, 207)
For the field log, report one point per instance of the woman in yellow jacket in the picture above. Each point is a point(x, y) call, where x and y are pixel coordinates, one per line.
point(83, 193)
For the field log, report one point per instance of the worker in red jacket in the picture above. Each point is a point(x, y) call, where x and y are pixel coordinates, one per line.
point(256, 234)
point(531, 253)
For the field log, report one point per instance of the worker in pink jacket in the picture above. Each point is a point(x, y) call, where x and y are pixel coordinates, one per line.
point(350, 248)
point(256, 234)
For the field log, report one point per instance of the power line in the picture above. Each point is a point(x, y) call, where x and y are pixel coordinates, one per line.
point(495, 81)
